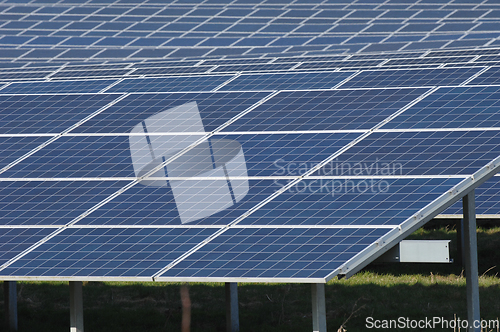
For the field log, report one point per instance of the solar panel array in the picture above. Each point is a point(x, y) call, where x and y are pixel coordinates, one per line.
point(288, 166)
point(82, 30)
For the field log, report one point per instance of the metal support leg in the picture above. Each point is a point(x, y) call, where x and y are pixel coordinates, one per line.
point(318, 307)
point(470, 260)
point(76, 306)
point(460, 243)
point(232, 318)
point(10, 300)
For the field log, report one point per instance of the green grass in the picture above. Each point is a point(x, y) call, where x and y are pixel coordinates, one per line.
point(382, 291)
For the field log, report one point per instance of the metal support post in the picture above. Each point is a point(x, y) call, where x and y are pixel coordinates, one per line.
point(76, 306)
point(318, 307)
point(470, 260)
point(232, 315)
point(10, 300)
point(460, 242)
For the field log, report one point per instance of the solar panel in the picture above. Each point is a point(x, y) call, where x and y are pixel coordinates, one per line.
point(238, 141)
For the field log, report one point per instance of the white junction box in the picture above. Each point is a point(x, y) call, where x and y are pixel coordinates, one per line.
point(418, 251)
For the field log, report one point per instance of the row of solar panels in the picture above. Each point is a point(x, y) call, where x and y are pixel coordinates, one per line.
point(295, 80)
point(203, 66)
point(300, 234)
point(71, 31)
point(293, 120)
point(326, 45)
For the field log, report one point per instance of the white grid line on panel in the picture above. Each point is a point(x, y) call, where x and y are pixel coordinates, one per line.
point(238, 74)
point(201, 178)
point(470, 79)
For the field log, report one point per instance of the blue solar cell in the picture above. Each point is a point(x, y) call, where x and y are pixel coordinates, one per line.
point(51, 202)
point(326, 110)
point(215, 109)
point(421, 61)
point(114, 41)
point(451, 27)
point(421, 153)
point(170, 84)
point(166, 63)
point(107, 252)
point(87, 86)
point(78, 157)
point(459, 107)
point(19, 75)
point(15, 147)
point(171, 70)
point(490, 77)
point(254, 67)
point(46, 40)
point(420, 27)
point(410, 77)
point(263, 151)
point(93, 73)
point(334, 201)
point(287, 81)
point(487, 199)
point(79, 41)
point(12, 53)
point(13, 241)
point(212, 62)
point(339, 64)
point(111, 156)
point(47, 113)
point(14, 40)
point(275, 253)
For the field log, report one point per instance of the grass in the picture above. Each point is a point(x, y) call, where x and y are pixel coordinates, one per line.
point(381, 291)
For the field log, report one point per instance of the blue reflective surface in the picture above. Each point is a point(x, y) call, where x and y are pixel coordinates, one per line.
point(111, 157)
point(47, 113)
point(487, 199)
point(339, 64)
point(349, 201)
point(94, 73)
point(87, 86)
point(14, 241)
point(286, 81)
point(15, 147)
point(170, 84)
point(107, 252)
point(460, 107)
point(78, 157)
point(326, 110)
point(491, 76)
point(414, 77)
point(51, 203)
point(215, 109)
point(275, 253)
point(419, 153)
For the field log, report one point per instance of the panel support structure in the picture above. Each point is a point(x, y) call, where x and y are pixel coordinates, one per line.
point(470, 260)
point(232, 314)
point(318, 307)
point(10, 300)
point(76, 306)
point(460, 242)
